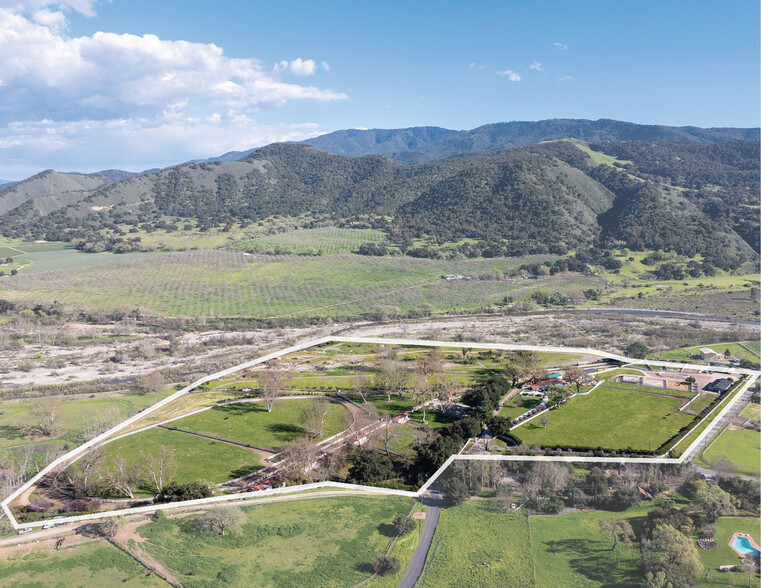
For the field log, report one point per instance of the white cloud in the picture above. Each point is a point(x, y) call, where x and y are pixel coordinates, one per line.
point(536, 65)
point(299, 67)
point(131, 101)
point(561, 46)
point(325, 66)
point(85, 7)
point(108, 75)
point(511, 75)
point(565, 79)
point(134, 144)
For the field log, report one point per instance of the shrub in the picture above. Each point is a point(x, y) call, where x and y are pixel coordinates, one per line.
point(384, 565)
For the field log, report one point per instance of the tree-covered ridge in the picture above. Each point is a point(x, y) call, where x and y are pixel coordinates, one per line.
point(549, 197)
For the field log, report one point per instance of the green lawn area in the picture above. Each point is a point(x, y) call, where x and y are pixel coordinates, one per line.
point(569, 551)
point(741, 446)
point(723, 554)
point(197, 458)
point(611, 417)
point(752, 411)
point(701, 403)
point(404, 439)
point(477, 545)
point(398, 404)
point(619, 372)
point(251, 423)
point(433, 419)
point(91, 564)
point(326, 542)
point(741, 350)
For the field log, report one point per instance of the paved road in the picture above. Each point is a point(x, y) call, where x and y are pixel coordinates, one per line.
point(415, 568)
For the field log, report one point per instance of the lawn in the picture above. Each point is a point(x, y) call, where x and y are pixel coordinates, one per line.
point(701, 403)
point(741, 350)
point(611, 417)
point(619, 372)
point(723, 554)
point(752, 411)
point(91, 564)
point(398, 404)
point(740, 446)
point(570, 551)
point(433, 419)
point(197, 458)
point(322, 542)
point(477, 545)
point(251, 423)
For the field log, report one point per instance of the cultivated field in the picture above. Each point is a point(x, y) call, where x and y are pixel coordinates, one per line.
point(223, 283)
point(320, 241)
point(611, 417)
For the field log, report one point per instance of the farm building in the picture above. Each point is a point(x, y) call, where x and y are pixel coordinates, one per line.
point(719, 386)
point(401, 418)
point(707, 354)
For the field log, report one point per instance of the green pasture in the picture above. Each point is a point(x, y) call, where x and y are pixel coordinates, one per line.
point(477, 545)
point(250, 422)
point(740, 446)
point(741, 350)
point(724, 555)
point(321, 541)
point(74, 415)
point(197, 458)
point(607, 375)
point(90, 564)
point(701, 403)
point(610, 417)
point(571, 551)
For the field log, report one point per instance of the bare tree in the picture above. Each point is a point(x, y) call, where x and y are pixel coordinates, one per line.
point(152, 383)
point(271, 382)
point(361, 385)
point(161, 466)
point(43, 419)
point(124, 477)
point(620, 530)
point(300, 460)
point(389, 376)
point(313, 416)
point(389, 432)
point(544, 420)
point(81, 474)
point(222, 520)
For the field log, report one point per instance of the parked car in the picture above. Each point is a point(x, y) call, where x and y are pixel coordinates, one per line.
point(26, 530)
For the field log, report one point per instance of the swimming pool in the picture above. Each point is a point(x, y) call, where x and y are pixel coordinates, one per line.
point(744, 545)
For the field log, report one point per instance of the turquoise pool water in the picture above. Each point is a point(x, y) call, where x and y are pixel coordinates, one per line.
point(742, 545)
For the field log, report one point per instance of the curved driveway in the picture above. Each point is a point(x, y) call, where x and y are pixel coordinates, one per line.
point(415, 568)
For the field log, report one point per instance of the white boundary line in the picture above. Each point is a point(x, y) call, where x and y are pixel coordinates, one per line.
point(75, 453)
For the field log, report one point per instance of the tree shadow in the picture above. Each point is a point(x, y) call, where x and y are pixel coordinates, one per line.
point(11, 432)
point(242, 408)
point(284, 428)
point(387, 530)
point(244, 471)
point(595, 561)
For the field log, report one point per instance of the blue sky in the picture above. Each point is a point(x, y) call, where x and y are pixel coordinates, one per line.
point(133, 84)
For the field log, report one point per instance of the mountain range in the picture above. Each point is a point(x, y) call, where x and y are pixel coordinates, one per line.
point(687, 189)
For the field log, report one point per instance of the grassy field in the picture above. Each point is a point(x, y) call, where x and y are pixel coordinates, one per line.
point(223, 283)
point(619, 372)
point(701, 403)
point(91, 564)
point(751, 411)
point(318, 542)
point(723, 554)
point(740, 446)
point(569, 551)
point(740, 350)
point(320, 241)
point(197, 458)
point(75, 415)
point(610, 417)
point(251, 423)
point(476, 545)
